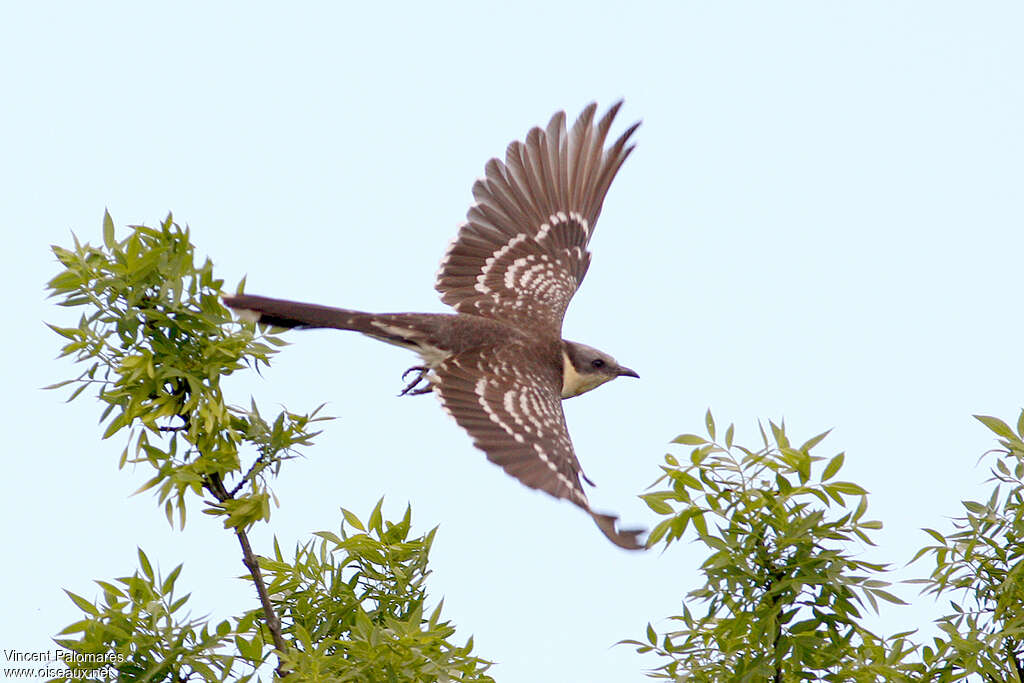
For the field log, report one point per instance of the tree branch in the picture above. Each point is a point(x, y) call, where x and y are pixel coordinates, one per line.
point(273, 621)
point(245, 478)
point(774, 576)
point(215, 486)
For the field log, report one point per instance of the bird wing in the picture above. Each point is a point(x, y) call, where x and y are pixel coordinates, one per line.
point(509, 403)
point(522, 252)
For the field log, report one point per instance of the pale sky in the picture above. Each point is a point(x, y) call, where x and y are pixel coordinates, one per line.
point(821, 222)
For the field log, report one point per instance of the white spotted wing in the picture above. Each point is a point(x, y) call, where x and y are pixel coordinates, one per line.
point(522, 253)
point(509, 402)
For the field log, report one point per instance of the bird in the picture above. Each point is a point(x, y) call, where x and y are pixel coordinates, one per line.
point(499, 364)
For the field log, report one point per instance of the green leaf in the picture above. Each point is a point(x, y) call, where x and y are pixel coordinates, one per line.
point(108, 230)
point(701, 524)
point(59, 384)
point(862, 507)
point(804, 626)
point(149, 484)
point(147, 568)
point(917, 556)
point(83, 604)
point(887, 596)
point(997, 426)
point(709, 422)
point(656, 501)
point(168, 584)
point(115, 426)
point(690, 440)
point(249, 649)
point(974, 507)
point(374, 523)
point(78, 627)
point(329, 536)
point(110, 588)
point(848, 487)
point(833, 466)
point(658, 532)
point(814, 441)
point(686, 479)
point(779, 434)
point(714, 542)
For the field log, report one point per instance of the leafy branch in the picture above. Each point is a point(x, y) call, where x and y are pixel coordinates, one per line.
point(783, 593)
point(982, 563)
point(156, 342)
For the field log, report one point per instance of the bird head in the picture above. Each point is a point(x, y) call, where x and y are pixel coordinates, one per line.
point(585, 368)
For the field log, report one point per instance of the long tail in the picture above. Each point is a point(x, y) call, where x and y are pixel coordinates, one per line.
point(282, 313)
point(624, 538)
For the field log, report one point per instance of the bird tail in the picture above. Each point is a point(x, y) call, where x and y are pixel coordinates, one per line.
point(624, 538)
point(282, 313)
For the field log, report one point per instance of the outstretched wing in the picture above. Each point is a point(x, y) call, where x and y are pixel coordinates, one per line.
point(523, 251)
point(509, 403)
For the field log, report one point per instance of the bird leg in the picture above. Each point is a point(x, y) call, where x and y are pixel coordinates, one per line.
point(421, 376)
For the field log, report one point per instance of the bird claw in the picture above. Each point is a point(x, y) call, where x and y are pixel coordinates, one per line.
point(421, 376)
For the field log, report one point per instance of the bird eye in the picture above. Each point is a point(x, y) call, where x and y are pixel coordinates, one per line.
point(597, 363)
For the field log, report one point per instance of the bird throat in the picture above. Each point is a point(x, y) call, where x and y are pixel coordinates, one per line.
point(574, 383)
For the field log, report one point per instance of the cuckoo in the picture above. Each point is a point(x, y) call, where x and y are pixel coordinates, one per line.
point(499, 364)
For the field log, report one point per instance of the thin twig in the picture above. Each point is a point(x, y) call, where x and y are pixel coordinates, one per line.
point(273, 621)
point(245, 479)
point(216, 487)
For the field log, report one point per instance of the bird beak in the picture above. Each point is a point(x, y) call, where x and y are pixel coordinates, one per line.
point(626, 372)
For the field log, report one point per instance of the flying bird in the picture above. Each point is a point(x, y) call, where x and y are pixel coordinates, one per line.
point(499, 364)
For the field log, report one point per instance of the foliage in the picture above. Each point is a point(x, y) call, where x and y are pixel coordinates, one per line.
point(354, 608)
point(156, 342)
point(139, 630)
point(783, 593)
point(981, 560)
